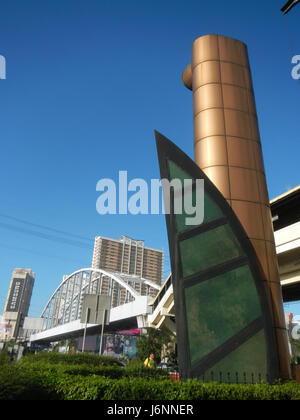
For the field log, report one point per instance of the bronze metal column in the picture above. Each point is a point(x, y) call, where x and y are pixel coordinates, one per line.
point(227, 148)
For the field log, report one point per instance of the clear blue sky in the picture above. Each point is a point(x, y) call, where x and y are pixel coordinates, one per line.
point(87, 83)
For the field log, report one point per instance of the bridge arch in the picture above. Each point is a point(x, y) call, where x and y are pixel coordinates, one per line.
point(65, 304)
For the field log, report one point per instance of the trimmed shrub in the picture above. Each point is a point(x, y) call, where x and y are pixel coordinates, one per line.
point(19, 384)
point(41, 378)
point(4, 358)
point(97, 388)
point(65, 365)
point(71, 359)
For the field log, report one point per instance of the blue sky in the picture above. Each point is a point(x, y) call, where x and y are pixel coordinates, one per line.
point(87, 83)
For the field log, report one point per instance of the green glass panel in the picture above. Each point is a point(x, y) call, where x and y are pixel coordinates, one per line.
point(211, 210)
point(248, 363)
point(217, 309)
point(177, 173)
point(208, 249)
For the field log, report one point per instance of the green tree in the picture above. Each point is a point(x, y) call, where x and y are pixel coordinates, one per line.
point(152, 342)
point(296, 350)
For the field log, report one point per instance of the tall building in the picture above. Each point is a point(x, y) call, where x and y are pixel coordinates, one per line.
point(17, 301)
point(128, 256)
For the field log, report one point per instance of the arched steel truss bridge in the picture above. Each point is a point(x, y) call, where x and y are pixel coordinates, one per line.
point(65, 304)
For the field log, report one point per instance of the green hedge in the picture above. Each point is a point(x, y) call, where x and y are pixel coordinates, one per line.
point(85, 365)
point(86, 370)
point(18, 384)
point(70, 359)
point(21, 383)
point(94, 388)
point(61, 377)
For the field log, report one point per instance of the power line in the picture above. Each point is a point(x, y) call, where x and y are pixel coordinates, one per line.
point(45, 236)
point(60, 257)
point(84, 238)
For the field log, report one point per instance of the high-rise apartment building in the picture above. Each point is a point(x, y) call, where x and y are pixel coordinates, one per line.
point(18, 300)
point(128, 256)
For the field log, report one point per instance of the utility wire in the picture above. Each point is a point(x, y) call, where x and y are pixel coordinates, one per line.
point(60, 257)
point(84, 238)
point(46, 236)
